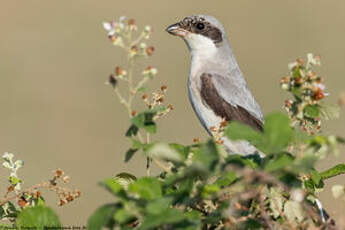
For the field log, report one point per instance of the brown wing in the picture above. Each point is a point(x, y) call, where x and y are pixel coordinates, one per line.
point(222, 108)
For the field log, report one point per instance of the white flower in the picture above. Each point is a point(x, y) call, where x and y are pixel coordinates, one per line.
point(19, 164)
point(7, 165)
point(313, 60)
point(142, 45)
point(8, 156)
point(109, 28)
point(148, 29)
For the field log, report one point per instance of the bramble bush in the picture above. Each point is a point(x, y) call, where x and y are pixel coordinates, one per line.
point(200, 186)
point(23, 208)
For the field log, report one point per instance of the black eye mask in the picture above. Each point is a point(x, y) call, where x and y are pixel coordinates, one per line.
point(201, 26)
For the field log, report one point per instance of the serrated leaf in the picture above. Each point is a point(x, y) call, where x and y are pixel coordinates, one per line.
point(103, 217)
point(169, 216)
point(277, 133)
point(38, 217)
point(312, 111)
point(239, 131)
point(250, 160)
point(316, 177)
point(123, 216)
point(148, 188)
point(183, 150)
point(112, 185)
point(206, 156)
point(164, 151)
point(278, 162)
point(334, 171)
point(276, 136)
point(145, 120)
point(226, 179)
point(209, 190)
point(159, 205)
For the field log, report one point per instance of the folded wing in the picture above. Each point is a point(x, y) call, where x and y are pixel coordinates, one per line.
point(229, 101)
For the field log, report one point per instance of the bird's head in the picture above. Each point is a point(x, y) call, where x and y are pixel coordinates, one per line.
point(202, 33)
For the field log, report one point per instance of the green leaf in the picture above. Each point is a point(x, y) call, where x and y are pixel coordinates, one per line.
point(112, 185)
point(276, 136)
point(334, 171)
point(15, 180)
point(164, 151)
point(132, 131)
point(207, 155)
point(251, 224)
point(123, 216)
point(145, 120)
point(38, 217)
point(252, 161)
point(103, 217)
point(209, 190)
point(312, 111)
point(169, 216)
point(148, 188)
point(136, 144)
point(316, 177)
point(181, 149)
point(129, 154)
point(278, 162)
point(158, 206)
point(239, 131)
point(226, 179)
point(277, 133)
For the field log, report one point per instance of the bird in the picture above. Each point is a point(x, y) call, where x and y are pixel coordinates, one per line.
point(217, 89)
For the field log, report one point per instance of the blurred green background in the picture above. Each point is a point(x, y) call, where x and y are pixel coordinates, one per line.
point(56, 111)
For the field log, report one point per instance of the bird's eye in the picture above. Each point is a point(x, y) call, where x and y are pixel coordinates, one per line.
point(200, 26)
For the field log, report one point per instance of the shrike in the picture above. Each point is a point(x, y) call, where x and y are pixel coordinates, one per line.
point(216, 87)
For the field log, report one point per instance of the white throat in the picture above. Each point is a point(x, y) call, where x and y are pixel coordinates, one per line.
point(200, 46)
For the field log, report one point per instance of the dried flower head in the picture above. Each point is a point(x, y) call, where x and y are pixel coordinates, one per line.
point(112, 80)
point(150, 50)
point(196, 140)
point(131, 24)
